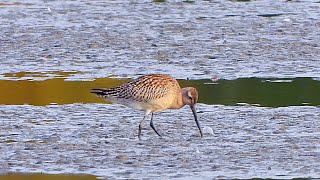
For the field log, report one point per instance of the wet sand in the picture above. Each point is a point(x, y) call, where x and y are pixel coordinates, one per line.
point(198, 40)
point(101, 139)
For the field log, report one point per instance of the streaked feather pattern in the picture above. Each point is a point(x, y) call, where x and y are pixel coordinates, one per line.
point(143, 89)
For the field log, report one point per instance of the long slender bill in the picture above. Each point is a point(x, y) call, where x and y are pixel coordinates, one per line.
point(196, 118)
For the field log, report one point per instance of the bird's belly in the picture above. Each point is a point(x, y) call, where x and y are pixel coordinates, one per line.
point(138, 105)
point(152, 106)
point(146, 106)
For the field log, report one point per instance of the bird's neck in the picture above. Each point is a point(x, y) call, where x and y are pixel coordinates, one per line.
point(178, 103)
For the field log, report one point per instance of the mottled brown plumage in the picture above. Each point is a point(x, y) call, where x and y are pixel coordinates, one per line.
point(152, 93)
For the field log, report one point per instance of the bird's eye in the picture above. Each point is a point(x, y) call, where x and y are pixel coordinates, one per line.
point(190, 97)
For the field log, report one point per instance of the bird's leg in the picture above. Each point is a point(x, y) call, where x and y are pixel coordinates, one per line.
point(151, 124)
point(140, 126)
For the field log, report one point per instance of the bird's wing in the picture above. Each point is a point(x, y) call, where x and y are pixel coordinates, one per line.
point(145, 88)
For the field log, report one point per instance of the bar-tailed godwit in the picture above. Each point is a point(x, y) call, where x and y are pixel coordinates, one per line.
point(152, 93)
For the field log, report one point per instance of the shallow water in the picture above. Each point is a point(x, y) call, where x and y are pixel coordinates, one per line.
point(46, 177)
point(55, 88)
point(101, 139)
point(200, 40)
point(271, 48)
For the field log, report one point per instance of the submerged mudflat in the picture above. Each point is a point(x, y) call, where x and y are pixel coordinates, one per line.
point(197, 39)
point(101, 139)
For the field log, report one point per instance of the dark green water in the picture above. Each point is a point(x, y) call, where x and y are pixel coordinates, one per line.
point(263, 92)
point(254, 91)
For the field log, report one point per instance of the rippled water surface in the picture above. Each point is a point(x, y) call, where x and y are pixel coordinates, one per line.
point(205, 38)
point(102, 140)
point(263, 111)
point(46, 177)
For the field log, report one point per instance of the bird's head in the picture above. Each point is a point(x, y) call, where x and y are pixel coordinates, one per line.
point(190, 97)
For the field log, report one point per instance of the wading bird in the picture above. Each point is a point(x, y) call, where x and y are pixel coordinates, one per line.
point(152, 93)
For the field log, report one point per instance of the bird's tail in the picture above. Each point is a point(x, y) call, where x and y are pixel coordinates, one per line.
point(103, 92)
point(100, 92)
